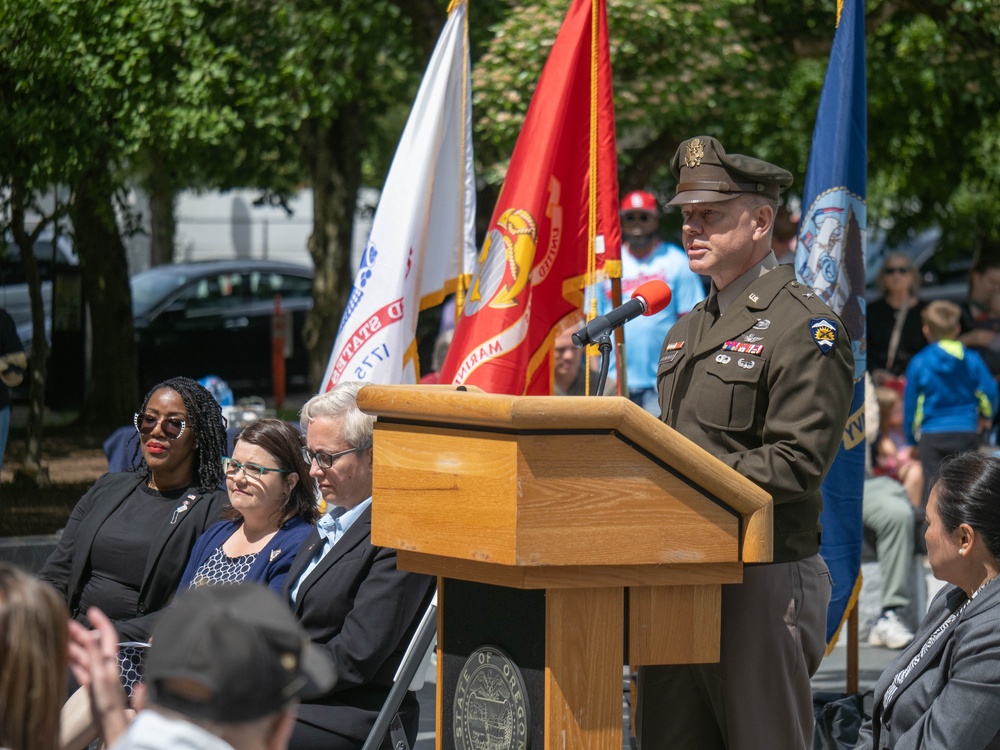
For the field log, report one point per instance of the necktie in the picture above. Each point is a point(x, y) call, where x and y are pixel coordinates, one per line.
point(712, 308)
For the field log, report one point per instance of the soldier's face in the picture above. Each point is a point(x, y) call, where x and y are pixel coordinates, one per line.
point(719, 238)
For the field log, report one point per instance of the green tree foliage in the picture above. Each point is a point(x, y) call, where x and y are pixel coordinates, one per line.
point(751, 73)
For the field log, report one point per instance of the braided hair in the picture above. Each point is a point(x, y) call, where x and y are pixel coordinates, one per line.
point(204, 416)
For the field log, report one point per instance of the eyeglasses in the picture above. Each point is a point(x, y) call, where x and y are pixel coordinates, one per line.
point(326, 460)
point(638, 217)
point(896, 269)
point(171, 427)
point(250, 471)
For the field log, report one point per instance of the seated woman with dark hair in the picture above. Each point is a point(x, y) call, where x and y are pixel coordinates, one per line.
point(943, 690)
point(128, 539)
point(272, 507)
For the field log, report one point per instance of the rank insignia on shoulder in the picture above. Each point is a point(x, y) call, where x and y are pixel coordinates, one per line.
point(824, 333)
point(673, 346)
point(743, 347)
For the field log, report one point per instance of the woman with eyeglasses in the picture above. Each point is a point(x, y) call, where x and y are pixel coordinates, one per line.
point(272, 508)
point(894, 328)
point(128, 539)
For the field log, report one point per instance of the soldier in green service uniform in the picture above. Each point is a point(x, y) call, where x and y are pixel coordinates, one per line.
point(760, 375)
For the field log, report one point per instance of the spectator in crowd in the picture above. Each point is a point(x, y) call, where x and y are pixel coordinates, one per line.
point(350, 597)
point(895, 458)
point(760, 376)
point(12, 364)
point(646, 257)
point(226, 667)
point(980, 331)
point(570, 369)
point(127, 541)
point(33, 658)
point(886, 512)
point(950, 396)
point(942, 690)
point(894, 326)
point(441, 344)
point(785, 237)
point(272, 507)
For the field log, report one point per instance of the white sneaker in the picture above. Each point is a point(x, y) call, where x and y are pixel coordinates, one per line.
point(890, 632)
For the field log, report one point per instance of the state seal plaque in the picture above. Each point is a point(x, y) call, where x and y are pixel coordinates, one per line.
point(491, 704)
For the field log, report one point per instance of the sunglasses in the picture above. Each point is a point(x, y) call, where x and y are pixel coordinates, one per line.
point(638, 217)
point(171, 427)
point(251, 471)
point(896, 269)
point(326, 460)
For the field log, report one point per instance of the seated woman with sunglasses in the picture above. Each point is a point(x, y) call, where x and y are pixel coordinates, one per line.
point(126, 542)
point(895, 332)
point(272, 508)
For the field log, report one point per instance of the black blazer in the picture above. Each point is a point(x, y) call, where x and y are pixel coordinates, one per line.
point(68, 567)
point(363, 611)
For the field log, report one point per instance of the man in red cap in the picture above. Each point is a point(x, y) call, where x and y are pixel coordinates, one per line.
point(645, 257)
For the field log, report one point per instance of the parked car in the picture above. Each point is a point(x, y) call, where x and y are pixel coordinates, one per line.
point(214, 318)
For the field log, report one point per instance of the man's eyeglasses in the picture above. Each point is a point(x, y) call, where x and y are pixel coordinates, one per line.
point(323, 459)
point(171, 427)
point(250, 471)
point(896, 269)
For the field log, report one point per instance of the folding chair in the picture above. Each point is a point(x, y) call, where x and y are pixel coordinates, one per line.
point(409, 676)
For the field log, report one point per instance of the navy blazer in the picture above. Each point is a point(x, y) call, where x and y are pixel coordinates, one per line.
point(363, 612)
point(272, 563)
point(68, 567)
point(951, 698)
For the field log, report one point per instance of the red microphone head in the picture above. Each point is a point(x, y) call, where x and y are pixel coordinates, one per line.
point(656, 294)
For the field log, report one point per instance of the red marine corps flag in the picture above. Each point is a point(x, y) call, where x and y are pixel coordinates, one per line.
point(555, 224)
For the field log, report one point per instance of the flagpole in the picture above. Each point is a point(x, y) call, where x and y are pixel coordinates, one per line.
point(462, 280)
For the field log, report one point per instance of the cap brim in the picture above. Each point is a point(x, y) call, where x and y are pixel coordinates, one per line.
point(319, 672)
point(701, 196)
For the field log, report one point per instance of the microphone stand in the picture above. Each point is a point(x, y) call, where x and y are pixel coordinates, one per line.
point(604, 345)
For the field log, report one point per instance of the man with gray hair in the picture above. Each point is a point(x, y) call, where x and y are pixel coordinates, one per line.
point(348, 593)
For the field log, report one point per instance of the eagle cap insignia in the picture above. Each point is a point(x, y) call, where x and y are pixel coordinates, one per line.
point(694, 153)
point(824, 333)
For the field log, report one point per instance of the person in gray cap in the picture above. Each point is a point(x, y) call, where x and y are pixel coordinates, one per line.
point(760, 375)
point(226, 667)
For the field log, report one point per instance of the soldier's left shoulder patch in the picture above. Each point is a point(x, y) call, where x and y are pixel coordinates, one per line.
point(824, 333)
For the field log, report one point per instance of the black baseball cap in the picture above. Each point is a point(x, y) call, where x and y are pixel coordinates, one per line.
point(232, 653)
point(705, 173)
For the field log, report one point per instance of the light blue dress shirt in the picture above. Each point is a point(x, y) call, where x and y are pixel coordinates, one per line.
point(331, 527)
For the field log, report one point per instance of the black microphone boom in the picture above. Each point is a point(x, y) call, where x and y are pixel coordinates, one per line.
point(604, 324)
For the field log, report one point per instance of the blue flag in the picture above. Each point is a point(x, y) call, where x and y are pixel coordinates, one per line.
point(830, 258)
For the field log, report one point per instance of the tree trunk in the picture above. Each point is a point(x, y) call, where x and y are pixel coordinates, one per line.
point(39, 355)
point(162, 221)
point(333, 154)
point(112, 394)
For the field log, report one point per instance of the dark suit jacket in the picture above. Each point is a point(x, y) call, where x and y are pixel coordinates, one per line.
point(951, 698)
point(68, 567)
point(363, 611)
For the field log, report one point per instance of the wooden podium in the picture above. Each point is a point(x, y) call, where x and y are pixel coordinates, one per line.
point(538, 514)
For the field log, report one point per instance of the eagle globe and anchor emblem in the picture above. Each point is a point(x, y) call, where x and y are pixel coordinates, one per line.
point(491, 704)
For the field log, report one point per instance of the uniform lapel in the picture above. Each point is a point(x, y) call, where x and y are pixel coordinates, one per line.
point(745, 312)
